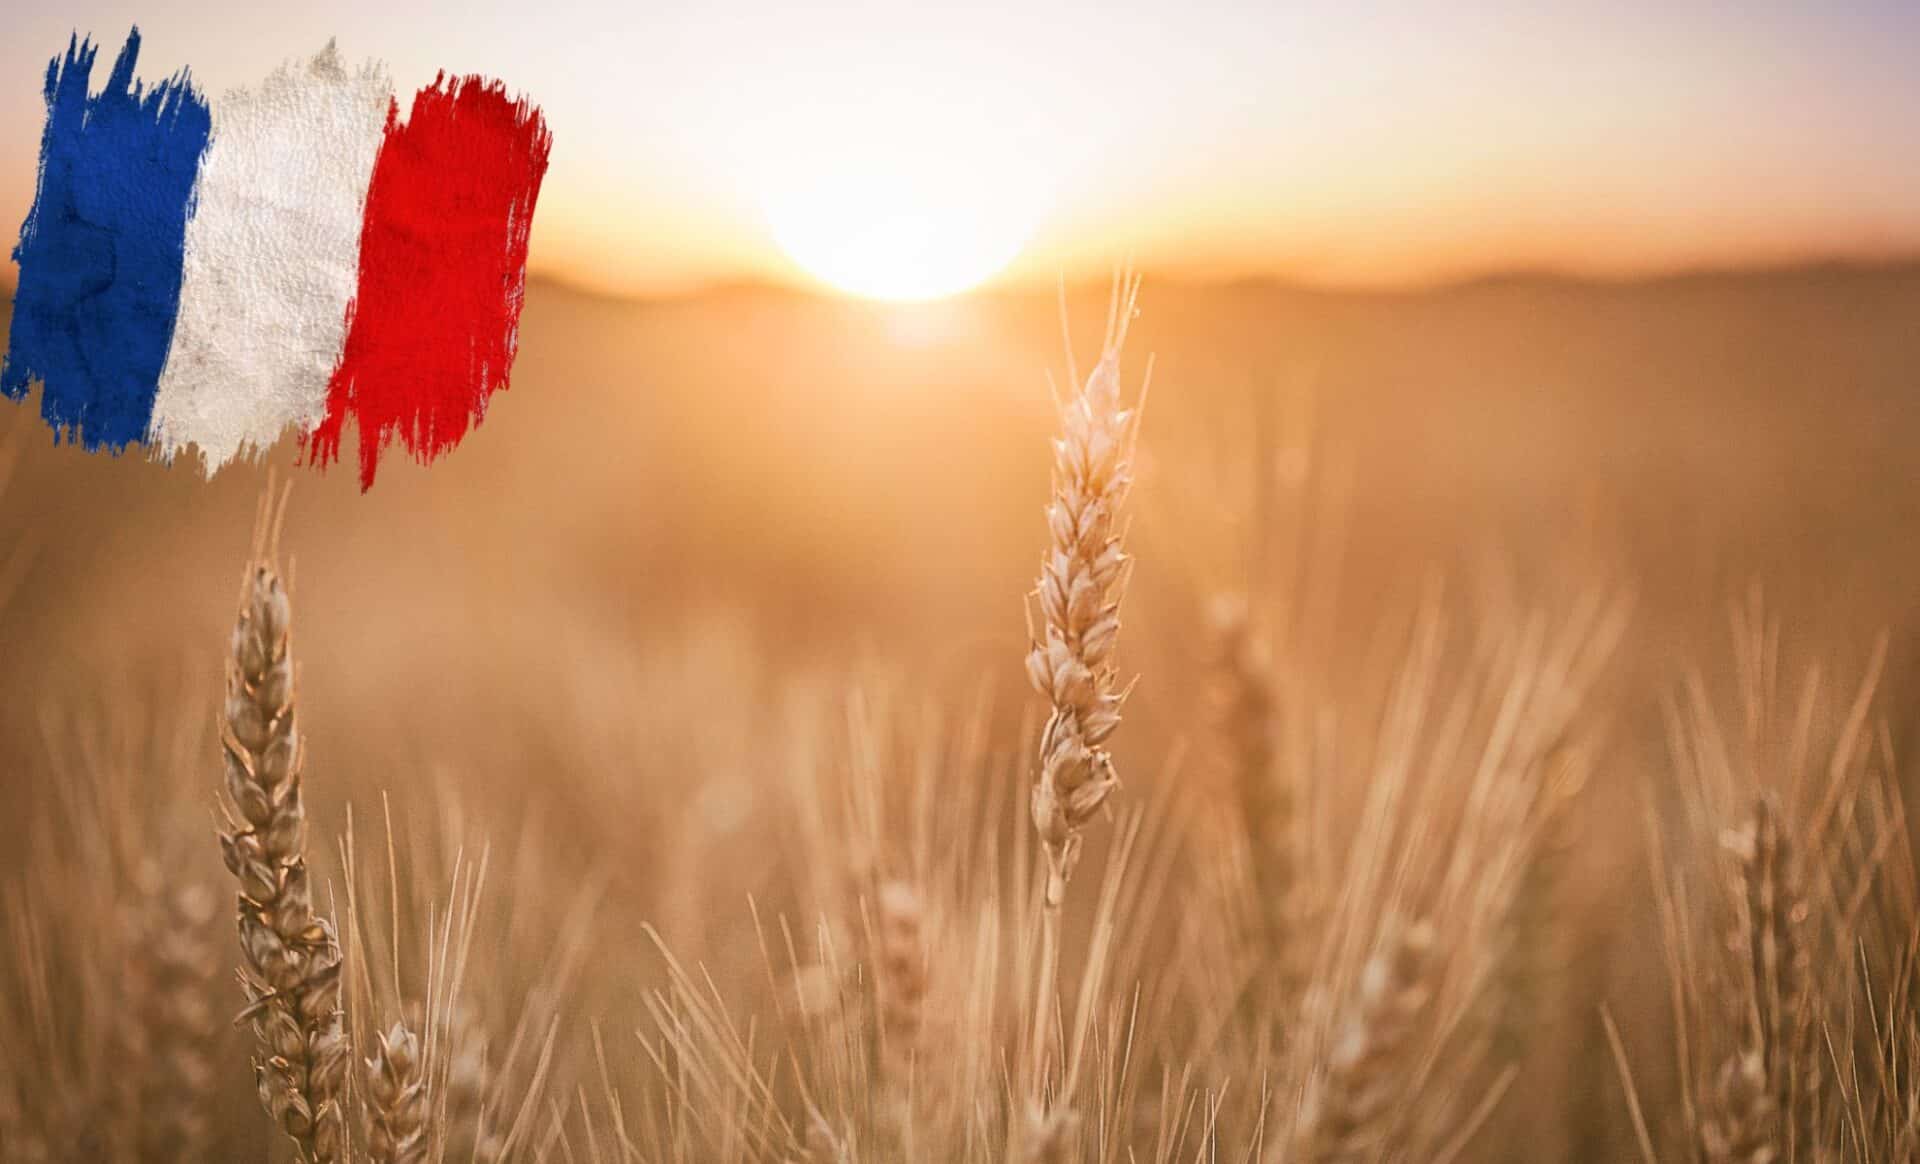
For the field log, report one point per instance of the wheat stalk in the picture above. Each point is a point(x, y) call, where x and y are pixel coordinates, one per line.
point(1528, 947)
point(470, 1138)
point(823, 1145)
point(1349, 1108)
point(1753, 1094)
point(290, 955)
point(1746, 1125)
point(1050, 1136)
point(1242, 722)
point(900, 993)
point(1772, 929)
point(901, 977)
point(396, 1099)
point(166, 1030)
point(1082, 578)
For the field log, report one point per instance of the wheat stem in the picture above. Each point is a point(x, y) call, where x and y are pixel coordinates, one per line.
point(290, 955)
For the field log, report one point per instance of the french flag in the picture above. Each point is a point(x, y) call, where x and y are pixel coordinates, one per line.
point(202, 276)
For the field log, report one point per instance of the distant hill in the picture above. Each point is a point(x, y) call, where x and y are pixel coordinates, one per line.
point(548, 285)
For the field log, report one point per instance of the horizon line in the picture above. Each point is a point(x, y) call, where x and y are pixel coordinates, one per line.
point(1025, 286)
point(1021, 286)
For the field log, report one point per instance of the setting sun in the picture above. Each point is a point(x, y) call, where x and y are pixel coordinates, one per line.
point(897, 236)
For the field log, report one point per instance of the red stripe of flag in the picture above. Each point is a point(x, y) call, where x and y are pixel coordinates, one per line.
point(432, 329)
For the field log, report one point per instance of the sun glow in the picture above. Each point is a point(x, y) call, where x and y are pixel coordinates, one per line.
point(888, 158)
point(895, 235)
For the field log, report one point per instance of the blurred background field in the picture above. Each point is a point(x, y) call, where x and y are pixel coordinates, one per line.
point(876, 466)
point(585, 634)
point(834, 476)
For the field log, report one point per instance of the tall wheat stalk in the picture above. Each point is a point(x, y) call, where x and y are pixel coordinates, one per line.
point(1349, 1111)
point(1785, 914)
point(165, 1037)
point(1242, 720)
point(1070, 661)
point(900, 972)
point(1753, 1102)
point(1082, 578)
point(290, 956)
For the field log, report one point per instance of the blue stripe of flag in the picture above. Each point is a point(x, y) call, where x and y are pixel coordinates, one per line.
point(100, 253)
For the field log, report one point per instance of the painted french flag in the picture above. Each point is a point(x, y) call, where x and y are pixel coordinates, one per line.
point(202, 276)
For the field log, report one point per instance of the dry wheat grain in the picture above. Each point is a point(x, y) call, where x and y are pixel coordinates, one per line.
point(1050, 1136)
point(165, 1037)
point(1350, 1105)
point(290, 956)
point(1081, 582)
point(396, 1099)
point(1745, 1127)
point(470, 1135)
point(1241, 709)
point(1754, 1093)
point(901, 983)
point(1528, 948)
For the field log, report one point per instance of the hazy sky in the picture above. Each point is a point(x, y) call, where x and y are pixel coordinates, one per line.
point(1357, 142)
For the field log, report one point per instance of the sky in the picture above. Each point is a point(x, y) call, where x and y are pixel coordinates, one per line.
point(1365, 143)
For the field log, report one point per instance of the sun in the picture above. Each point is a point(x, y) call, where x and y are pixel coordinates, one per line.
point(898, 235)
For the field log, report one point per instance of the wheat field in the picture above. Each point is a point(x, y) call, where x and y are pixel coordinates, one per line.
point(1265, 725)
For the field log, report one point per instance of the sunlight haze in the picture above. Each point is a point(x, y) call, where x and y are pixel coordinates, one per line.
point(905, 150)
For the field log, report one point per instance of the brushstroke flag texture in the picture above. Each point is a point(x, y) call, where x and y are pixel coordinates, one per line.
point(203, 276)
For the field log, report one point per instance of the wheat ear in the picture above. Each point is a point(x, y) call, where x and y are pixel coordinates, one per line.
point(165, 1043)
point(470, 1138)
point(1242, 713)
point(900, 994)
point(1349, 1108)
point(396, 1099)
point(290, 954)
point(1082, 578)
point(1754, 1092)
point(901, 977)
point(1050, 1136)
point(1745, 1127)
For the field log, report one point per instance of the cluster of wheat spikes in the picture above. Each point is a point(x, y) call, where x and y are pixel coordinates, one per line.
point(1791, 943)
point(1335, 930)
point(292, 961)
